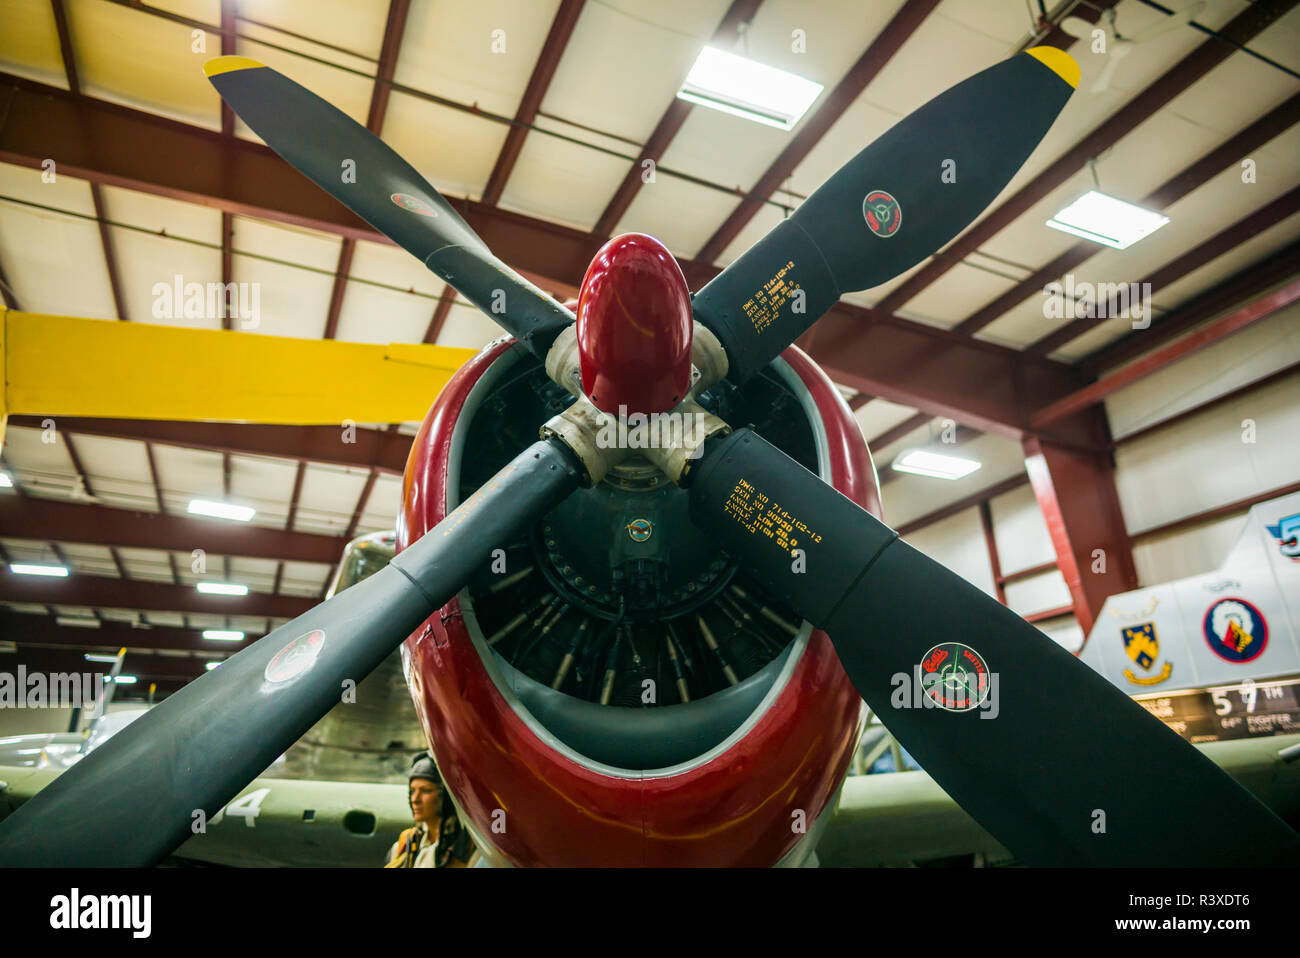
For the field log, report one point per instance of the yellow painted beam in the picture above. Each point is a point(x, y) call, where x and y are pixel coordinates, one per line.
point(69, 366)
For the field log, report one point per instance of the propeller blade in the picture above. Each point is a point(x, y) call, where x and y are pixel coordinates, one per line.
point(890, 207)
point(137, 797)
point(1057, 763)
point(317, 139)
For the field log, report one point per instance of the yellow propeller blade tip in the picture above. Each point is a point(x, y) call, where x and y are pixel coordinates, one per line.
point(1058, 61)
point(228, 64)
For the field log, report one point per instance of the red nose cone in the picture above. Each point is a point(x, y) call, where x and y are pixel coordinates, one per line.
point(634, 327)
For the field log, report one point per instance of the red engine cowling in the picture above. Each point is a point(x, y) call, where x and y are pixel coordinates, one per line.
point(530, 800)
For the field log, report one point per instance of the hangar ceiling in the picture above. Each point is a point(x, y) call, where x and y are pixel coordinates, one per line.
point(542, 130)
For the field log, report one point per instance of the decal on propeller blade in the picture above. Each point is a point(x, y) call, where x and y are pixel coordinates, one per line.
point(1235, 630)
point(955, 677)
point(413, 204)
point(296, 657)
point(1143, 647)
point(883, 214)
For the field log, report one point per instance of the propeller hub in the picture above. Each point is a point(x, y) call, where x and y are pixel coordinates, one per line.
point(634, 328)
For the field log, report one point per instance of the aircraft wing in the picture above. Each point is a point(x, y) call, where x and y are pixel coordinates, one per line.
point(901, 818)
point(274, 822)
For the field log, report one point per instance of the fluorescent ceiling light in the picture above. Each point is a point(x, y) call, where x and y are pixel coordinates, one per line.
point(210, 666)
point(79, 621)
point(100, 657)
point(746, 88)
point(221, 510)
point(223, 635)
point(1106, 220)
point(38, 568)
point(923, 462)
point(223, 588)
point(5, 481)
point(122, 679)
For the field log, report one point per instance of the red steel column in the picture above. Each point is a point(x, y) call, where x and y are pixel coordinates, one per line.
point(1076, 492)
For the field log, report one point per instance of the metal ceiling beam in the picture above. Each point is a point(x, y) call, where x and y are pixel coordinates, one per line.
point(1223, 242)
point(23, 627)
point(440, 314)
point(372, 448)
point(989, 389)
point(1205, 336)
point(1078, 498)
point(105, 593)
point(566, 18)
point(58, 521)
point(740, 12)
point(1240, 144)
point(1239, 31)
point(891, 39)
point(1249, 283)
point(364, 498)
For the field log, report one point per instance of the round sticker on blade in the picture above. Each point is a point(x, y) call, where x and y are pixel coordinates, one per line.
point(413, 204)
point(1235, 630)
point(955, 677)
point(296, 657)
point(883, 214)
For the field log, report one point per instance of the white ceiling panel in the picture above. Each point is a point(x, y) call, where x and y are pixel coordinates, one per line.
point(679, 214)
point(449, 49)
point(29, 43)
point(328, 498)
point(143, 61)
point(291, 301)
point(455, 151)
point(881, 414)
point(467, 327)
point(562, 182)
point(626, 61)
point(42, 250)
point(118, 472)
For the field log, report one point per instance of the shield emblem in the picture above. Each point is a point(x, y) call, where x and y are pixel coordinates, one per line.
point(1141, 644)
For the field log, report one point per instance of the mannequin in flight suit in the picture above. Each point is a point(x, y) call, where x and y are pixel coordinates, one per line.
point(437, 839)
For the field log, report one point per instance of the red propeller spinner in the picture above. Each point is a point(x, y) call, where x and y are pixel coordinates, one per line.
point(634, 327)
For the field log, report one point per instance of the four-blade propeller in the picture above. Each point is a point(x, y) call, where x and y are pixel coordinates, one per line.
point(1059, 743)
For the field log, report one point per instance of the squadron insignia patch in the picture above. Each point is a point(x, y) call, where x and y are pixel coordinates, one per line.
point(413, 204)
point(1143, 648)
point(883, 214)
point(955, 677)
point(296, 657)
point(1235, 630)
